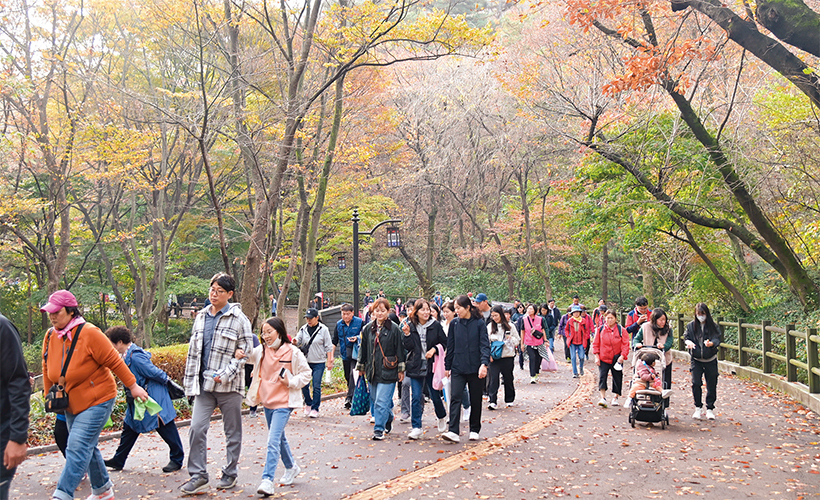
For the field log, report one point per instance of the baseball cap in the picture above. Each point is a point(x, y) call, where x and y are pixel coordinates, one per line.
point(576, 309)
point(311, 313)
point(59, 300)
point(481, 297)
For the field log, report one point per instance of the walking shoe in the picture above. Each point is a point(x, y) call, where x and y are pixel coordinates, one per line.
point(415, 433)
point(307, 410)
point(533, 380)
point(314, 414)
point(290, 475)
point(372, 420)
point(574, 375)
point(582, 372)
point(442, 424)
point(710, 415)
point(172, 467)
point(226, 482)
point(348, 405)
point(106, 495)
point(628, 402)
point(465, 415)
point(509, 405)
point(474, 436)
point(492, 406)
point(378, 435)
point(602, 403)
point(111, 464)
point(451, 437)
point(698, 413)
point(615, 402)
point(193, 486)
point(265, 488)
point(252, 413)
point(388, 427)
point(403, 419)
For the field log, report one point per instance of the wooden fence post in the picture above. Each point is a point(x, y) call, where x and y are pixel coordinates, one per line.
point(813, 361)
point(767, 346)
point(791, 353)
point(681, 330)
point(742, 356)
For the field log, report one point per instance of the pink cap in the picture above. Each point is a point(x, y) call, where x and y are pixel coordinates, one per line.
point(59, 300)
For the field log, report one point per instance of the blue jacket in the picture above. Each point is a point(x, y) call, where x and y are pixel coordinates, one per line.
point(468, 346)
point(153, 380)
point(344, 331)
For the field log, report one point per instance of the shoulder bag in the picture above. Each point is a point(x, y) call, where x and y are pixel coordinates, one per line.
point(57, 397)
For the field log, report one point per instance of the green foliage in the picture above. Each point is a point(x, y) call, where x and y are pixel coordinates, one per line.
point(171, 359)
point(33, 354)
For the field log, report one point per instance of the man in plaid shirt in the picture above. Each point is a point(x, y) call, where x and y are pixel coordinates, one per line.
point(216, 380)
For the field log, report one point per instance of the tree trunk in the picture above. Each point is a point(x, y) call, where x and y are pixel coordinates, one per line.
point(791, 21)
point(605, 272)
point(424, 283)
point(744, 270)
point(431, 234)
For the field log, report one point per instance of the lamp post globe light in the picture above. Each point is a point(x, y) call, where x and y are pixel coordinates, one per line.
point(393, 241)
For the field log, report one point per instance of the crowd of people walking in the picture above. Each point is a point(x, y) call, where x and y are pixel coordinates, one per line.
point(452, 353)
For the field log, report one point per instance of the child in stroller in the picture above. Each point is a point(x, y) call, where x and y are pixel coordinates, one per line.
point(649, 399)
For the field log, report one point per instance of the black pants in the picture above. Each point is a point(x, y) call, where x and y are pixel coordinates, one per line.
point(501, 368)
point(168, 432)
point(667, 376)
point(535, 360)
point(521, 358)
point(349, 365)
point(5, 475)
point(248, 371)
point(457, 383)
point(700, 369)
point(617, 377)
point(61, 435)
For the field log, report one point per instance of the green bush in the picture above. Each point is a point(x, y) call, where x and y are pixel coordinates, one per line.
point(33, 354)
point(171, 359)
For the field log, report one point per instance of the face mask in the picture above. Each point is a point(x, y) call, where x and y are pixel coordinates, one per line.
point(276, 343)
point(702, 319)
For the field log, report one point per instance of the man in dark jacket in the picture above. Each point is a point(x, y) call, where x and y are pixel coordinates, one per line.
point(15, 391)
point(348, 330)
point(553, 319)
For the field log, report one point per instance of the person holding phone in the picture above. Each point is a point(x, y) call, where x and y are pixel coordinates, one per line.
point(637, 317)
point(280, 370)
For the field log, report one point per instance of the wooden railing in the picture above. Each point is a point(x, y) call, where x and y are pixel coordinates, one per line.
point(771, 349)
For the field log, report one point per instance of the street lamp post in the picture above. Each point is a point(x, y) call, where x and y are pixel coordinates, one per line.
point(392, 241)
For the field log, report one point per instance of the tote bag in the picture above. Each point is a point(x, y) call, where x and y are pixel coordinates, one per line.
point(360, 404)
point(548, 363)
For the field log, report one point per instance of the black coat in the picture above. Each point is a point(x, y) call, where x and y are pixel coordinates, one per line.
point(468, 346)
point(370, 354)
point(696, 334)
point(415, 366)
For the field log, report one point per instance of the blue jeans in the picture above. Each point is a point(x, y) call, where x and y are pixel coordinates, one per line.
point(278, 446)
point(314, 402)
point(577, 353)
point(382, 396)
point(82, 453)
point(416, 401)
point(552, 344)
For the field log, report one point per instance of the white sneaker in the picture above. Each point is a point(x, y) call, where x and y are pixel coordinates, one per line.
point(492, 406)
point(534, 380)
point(442, 424)
point(290, 475)
point(698, 413)
point(451, 436)
point(509, 405)
point(710, 415)
point(602, 403)
point(372, 420)
point(474, 436)
point(265, 488)
point(628, 402)
point(465, 415)
point(307, 411)
point(415, 433)
point(314, 414)
point(105, 495)
point(404, 419)
point(614, 402)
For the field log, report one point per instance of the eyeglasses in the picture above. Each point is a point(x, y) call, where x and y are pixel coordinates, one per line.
point(217, 291)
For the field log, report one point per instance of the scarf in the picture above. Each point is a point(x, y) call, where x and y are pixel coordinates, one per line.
point(66, 331)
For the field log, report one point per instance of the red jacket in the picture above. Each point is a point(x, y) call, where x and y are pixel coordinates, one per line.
point(609, 343)
point(579, 335)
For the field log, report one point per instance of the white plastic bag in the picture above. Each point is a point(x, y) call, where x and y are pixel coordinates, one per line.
point(445, 382)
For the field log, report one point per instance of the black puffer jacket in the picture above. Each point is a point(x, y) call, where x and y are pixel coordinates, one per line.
point(417, 365)
point(695, 332)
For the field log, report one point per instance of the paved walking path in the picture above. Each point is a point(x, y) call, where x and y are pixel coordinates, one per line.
point(556, 442)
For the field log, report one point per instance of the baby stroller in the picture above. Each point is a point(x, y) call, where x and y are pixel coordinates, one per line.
point(650, 404)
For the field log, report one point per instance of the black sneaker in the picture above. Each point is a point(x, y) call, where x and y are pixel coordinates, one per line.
point(227, 482)
point(388, 426)
point(111, 464)
point(172, 467)
point(378, 435)
point(347, 405)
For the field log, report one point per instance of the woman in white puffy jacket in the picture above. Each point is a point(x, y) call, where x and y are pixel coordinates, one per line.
point(280, 370)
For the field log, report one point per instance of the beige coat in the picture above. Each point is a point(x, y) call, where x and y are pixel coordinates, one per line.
point(301, 376)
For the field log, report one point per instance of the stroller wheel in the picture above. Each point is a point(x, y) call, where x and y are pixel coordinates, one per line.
point(663, 424)
point(632, 420)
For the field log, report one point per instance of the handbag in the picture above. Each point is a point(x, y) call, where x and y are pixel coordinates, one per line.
point(548, 363)
point(536, 334)
point(360, 403)
point(496, 349)
point(389, 362)
point(56, 400)
point(175, 391)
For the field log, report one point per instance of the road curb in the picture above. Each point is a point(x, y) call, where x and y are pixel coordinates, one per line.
point(180, 423)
